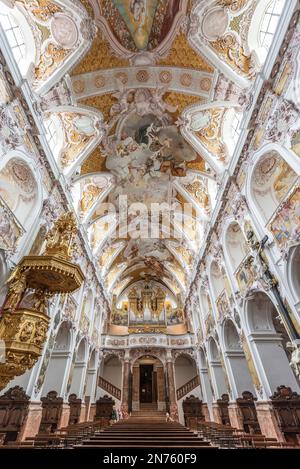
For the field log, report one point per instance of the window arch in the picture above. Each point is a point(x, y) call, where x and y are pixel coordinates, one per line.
point(54, 134)
point(231, 129)
point(19, 36)
point(269, 22)
point(261, 33)
point(51, 134)
point(14, 36)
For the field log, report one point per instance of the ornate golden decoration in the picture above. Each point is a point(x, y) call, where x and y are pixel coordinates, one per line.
point(17, 286)
point(182, 55)
point(99, 57)
point(94, 163)
point(198, 164)
point(51, 58)
point(88, 7)
point(185, 254)
point(245, 274)
point(284, 178)
point(24, 330)
point(233, 5)
point(60, 237)
point(283, 79)
point(75, 140)
point(153, 299)
point(147, 329)
point(235, 24)
point(211, 136)
point(103, 103)
point(107, 255)
point(250, 363)
point(183, 200)
point(181, 101)
point(233, 52)
point(90, 194)
point(199, 192)
point(42, 10)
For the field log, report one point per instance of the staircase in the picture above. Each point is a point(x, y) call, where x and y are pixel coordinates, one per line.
point(145, 430)
point(148, 410)
point(109, 388)
point(188, 387)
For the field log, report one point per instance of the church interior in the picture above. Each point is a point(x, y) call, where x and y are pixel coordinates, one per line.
point(150, 224)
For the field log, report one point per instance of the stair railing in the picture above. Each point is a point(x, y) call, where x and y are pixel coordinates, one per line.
point(188, 387)
point(110, 388)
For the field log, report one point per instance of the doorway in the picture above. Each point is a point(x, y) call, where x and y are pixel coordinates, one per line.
point(146, 384)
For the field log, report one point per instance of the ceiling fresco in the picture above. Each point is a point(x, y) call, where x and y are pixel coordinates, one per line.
point(151, 104)
point(139, 24)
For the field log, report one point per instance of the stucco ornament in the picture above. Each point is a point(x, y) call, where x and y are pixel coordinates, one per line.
point(64, 31)
point(215, 24)
point(10, 134)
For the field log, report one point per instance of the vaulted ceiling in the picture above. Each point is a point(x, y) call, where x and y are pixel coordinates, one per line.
point(153, 104)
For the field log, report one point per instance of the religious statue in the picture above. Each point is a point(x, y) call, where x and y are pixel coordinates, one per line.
point(259, 260)
point(40, 301)
point(295, 358)
point(26, 331)
point(16, 289)
point(60, 237)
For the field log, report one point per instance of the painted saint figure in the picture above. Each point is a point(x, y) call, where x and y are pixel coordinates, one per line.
point(138, 9)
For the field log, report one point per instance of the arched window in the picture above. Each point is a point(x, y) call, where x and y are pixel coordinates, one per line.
point(269, 22)
point(235, 126)
point(14, 36)
point(231, 129)
point(263, 26)
point(54, 133)
point(51, 134)
point(20, 37)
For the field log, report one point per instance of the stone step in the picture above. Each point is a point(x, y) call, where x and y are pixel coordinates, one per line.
point(159, 442)
point(82, 447)
point(141, 432)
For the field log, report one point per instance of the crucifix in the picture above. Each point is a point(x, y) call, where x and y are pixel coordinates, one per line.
point(261, 264)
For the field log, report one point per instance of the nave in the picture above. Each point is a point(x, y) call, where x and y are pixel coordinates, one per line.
point(149, 223)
